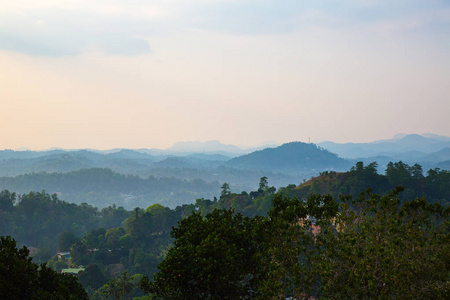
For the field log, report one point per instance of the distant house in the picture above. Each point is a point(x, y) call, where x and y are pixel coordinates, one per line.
point(65, 255)
point(72, 271)
point(315, 229)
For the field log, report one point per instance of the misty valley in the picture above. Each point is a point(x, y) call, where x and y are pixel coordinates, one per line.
point(154, 224)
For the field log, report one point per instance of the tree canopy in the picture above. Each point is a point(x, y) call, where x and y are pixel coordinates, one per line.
point(213, 257)
point(20, 278)
point(370, 247)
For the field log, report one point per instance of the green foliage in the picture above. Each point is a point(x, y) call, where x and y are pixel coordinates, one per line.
point(225, 190)
point(435, 187)
point(288, 244)
point(92, 276)
point(42, 255)
point(372, 247)
point(7, 200)
point(379, 248)
point(136, 247)
point(22, 279)
point(65, 240)
point(119, 287)
point(263, 183)
point(280, 253)
point(42, 220)
point(212, 257)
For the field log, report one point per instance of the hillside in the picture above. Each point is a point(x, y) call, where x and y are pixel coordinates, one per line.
point(434, 185)
point(294, 157)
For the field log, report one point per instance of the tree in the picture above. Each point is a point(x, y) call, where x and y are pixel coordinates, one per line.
point(377, 247)
point(111, 290)
point(225, 190)
point(288, 244)
point(263, 183)
point(42, 255)
point(213, 257)
point(119, 287)
point(373, 247)
point(7, 200)
point(20, 278)
point(125, 284)
point(66, 239)
point(92, 277)
point(398, 173)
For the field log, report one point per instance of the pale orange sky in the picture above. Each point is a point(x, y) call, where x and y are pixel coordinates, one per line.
point(105, 74)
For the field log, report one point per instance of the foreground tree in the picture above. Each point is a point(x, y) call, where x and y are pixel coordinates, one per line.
point(378, 248)
point(20, 278)
point(215, 257)
point(371, 247)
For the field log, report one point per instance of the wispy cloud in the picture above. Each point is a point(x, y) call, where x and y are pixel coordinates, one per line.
point(58, 31)
point(433, 20)
point(52, 27)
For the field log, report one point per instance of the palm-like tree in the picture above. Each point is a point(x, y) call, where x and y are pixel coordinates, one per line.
point(112, 290)
point(125, 284)
point(119, 287)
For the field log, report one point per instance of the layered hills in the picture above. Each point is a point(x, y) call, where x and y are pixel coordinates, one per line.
point(189, 171)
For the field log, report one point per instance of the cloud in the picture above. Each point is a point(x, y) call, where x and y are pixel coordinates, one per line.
point(56, 28)
point(60, 32)
point(437, 21)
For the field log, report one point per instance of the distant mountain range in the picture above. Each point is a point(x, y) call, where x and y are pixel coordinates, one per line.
point(429, 150)
point(400, 145)
point(214, 161)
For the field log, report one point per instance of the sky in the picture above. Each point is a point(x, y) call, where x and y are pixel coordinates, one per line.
point(146, 74)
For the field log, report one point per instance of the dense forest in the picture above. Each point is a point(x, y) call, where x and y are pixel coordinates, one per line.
point(114, 245)
point(37, 219)
point(365, 248)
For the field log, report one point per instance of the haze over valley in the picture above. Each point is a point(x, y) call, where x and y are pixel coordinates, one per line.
point(191, 170)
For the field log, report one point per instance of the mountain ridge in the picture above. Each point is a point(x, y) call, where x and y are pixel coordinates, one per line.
point(290, 157)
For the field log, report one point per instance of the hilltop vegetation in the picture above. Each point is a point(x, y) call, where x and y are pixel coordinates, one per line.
point(290, 157)
point(434, 186)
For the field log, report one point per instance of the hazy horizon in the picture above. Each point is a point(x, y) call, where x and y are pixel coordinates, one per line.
point(111, 74)
point(243, 147)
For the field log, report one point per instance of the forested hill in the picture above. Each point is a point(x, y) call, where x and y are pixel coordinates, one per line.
point(37, 219)
point(290, 157)
point(103, 187)
point(434, 185)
